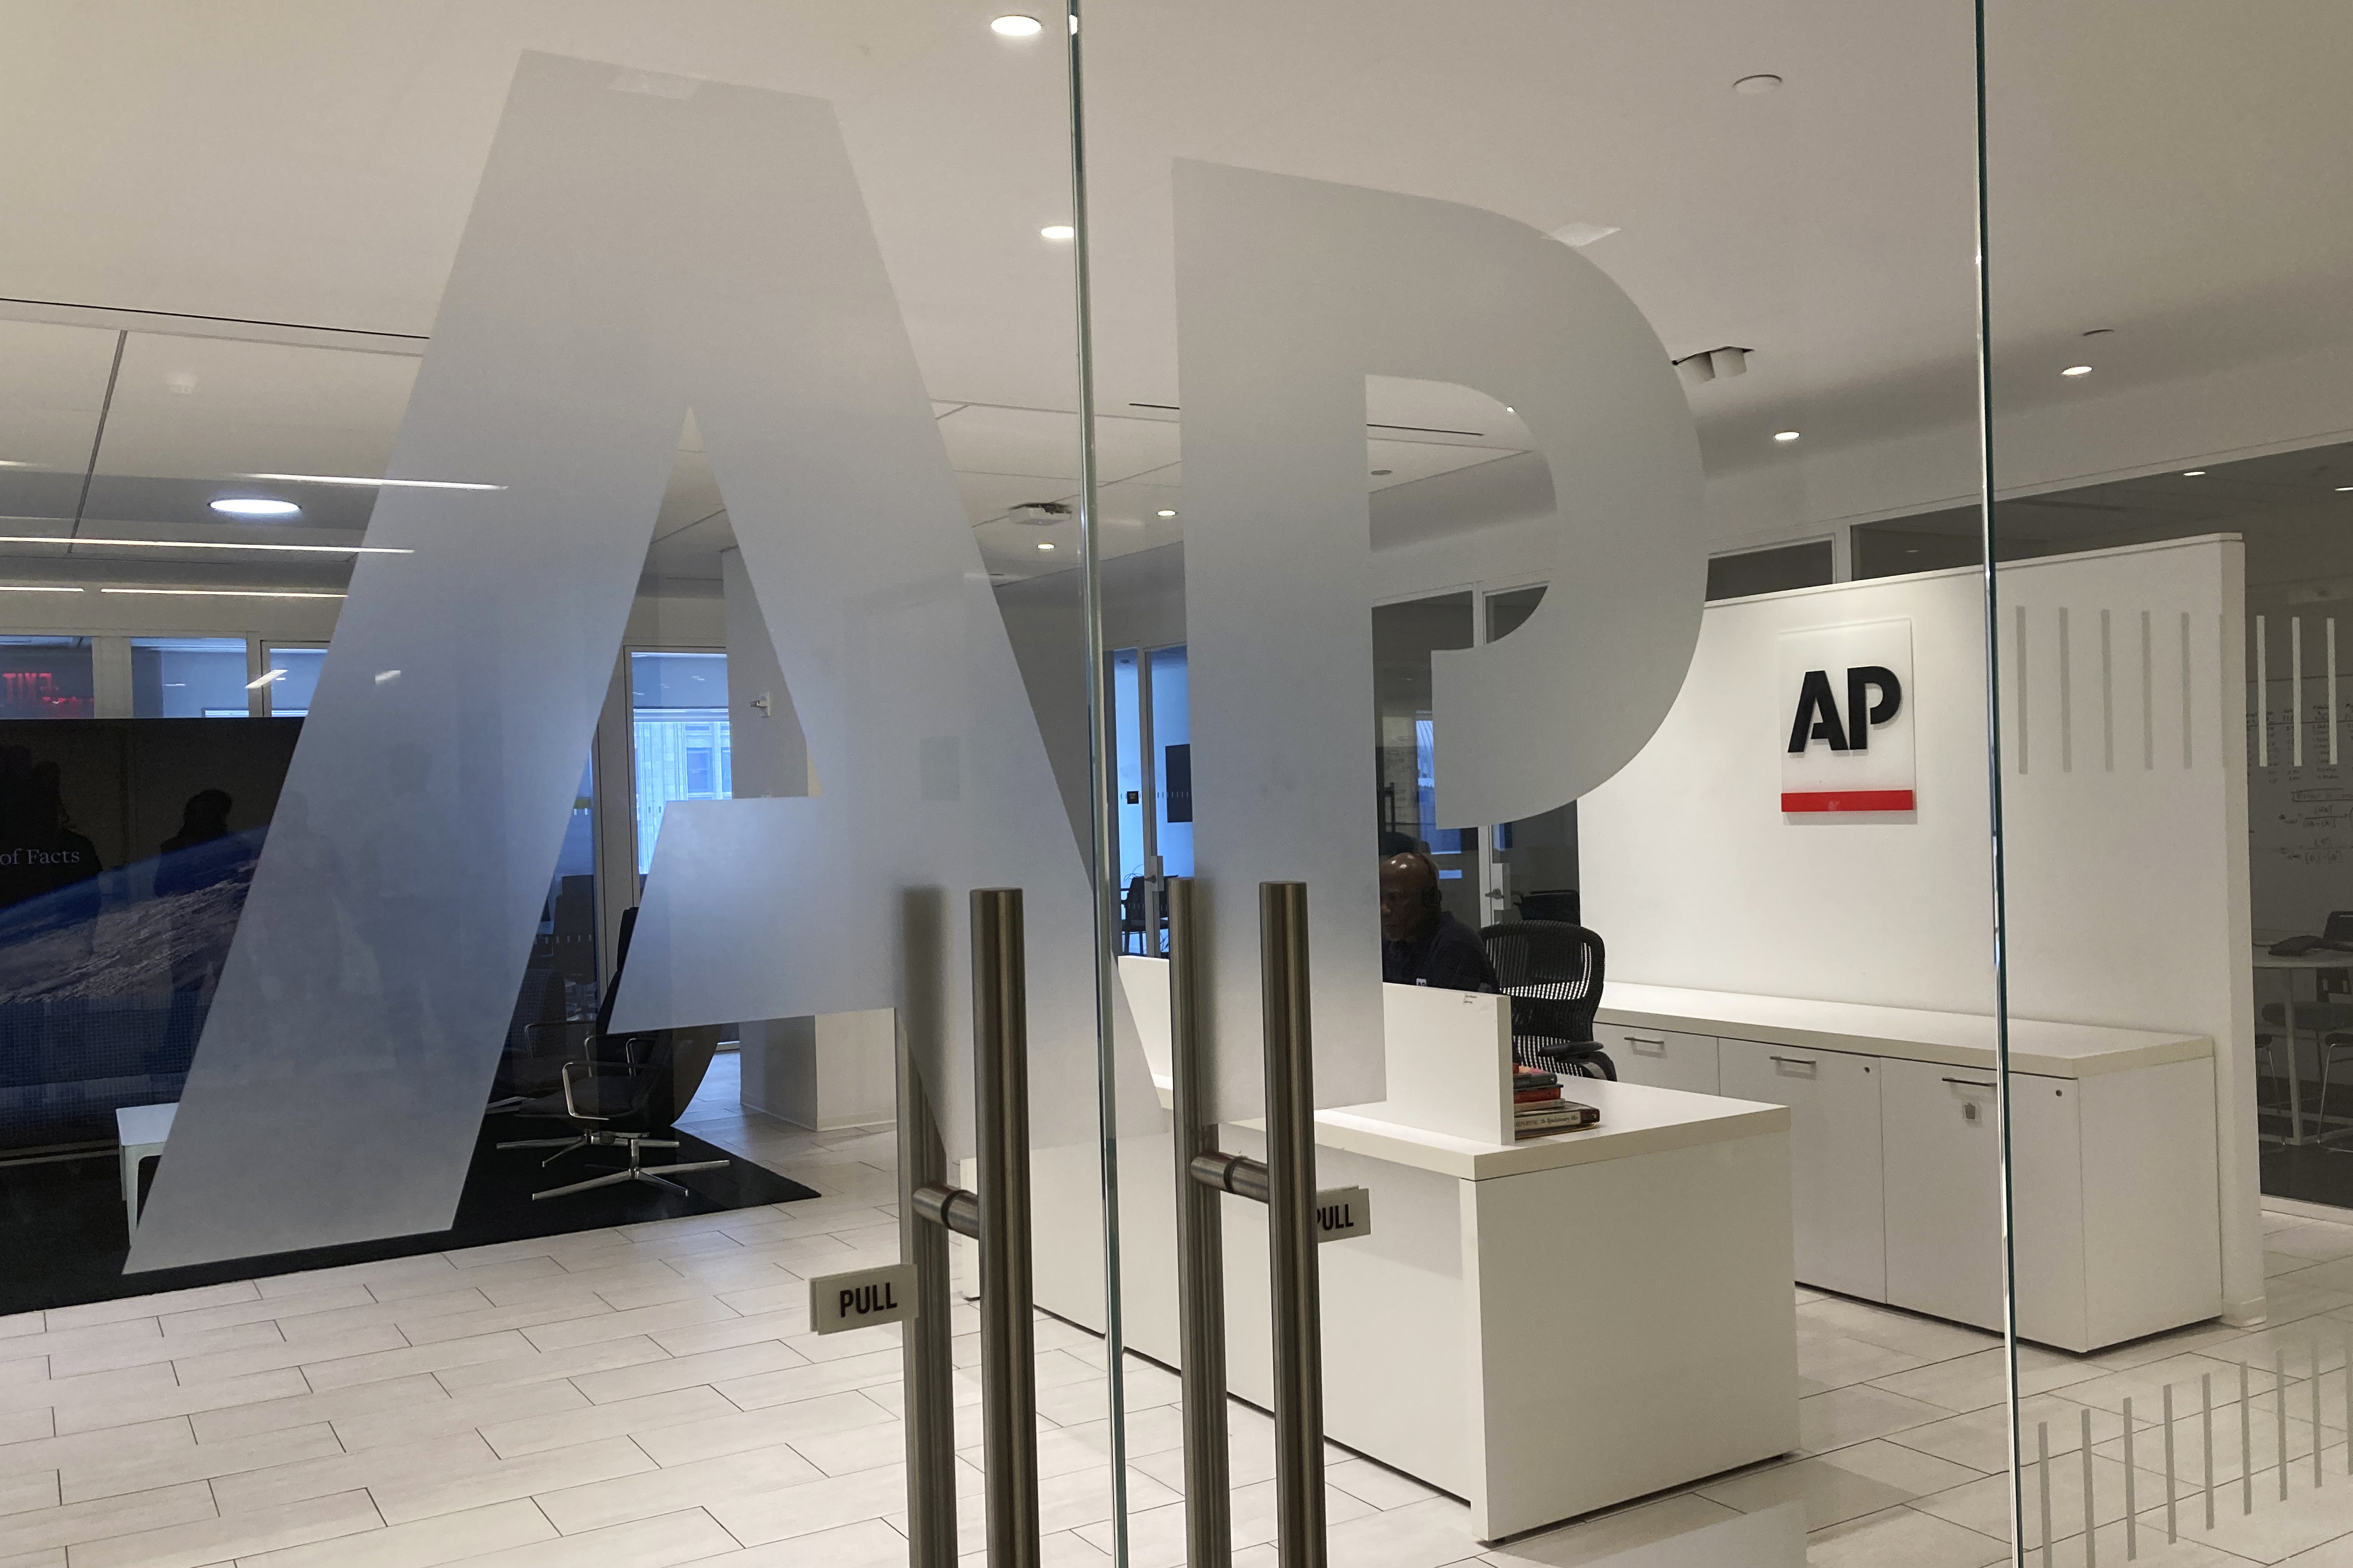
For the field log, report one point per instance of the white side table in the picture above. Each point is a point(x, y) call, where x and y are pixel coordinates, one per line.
point(140, 1130)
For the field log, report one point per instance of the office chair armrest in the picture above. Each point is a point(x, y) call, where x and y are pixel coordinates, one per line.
point(600, 1056)
point(571, 1107)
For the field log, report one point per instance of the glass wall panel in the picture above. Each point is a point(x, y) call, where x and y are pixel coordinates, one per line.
point(47, 677)
point(1172, 743)
point(680, 736)
point(617, 393)
point(188, 677)
point(1404, 637)
point(1713, 911)
point(2173, 482)
point(1533, 871)
point(1581, 404)
point(1746, 571)
point(293, 674)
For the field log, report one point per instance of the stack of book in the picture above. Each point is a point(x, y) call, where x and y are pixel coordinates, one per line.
point(1538, 1108)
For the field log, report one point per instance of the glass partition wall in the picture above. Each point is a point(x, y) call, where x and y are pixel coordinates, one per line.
point(2170, 479)
point(897, 482)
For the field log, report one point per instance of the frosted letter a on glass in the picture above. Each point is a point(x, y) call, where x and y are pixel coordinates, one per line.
point(630, 255)
point(1290, 292)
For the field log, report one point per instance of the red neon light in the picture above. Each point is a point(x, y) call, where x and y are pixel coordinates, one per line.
point(1847, 800)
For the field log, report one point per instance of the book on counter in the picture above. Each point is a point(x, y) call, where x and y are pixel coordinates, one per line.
point(1538, 1108)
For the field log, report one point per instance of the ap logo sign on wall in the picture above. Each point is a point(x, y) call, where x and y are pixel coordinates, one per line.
point(1846, 718)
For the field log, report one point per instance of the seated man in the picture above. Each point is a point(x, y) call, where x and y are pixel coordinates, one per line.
point(1421, 945)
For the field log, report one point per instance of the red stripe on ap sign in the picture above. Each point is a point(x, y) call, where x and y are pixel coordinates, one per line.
point(1848, 800)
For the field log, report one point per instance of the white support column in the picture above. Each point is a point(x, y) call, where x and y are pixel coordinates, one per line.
point(110, 672)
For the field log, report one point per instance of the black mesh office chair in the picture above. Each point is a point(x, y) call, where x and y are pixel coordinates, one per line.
point(1134, 914)
point(1552, 972)
point(622, 1093)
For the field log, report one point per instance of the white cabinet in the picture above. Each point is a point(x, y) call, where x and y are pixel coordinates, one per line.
point(1944, 1198)
point(1895, 1187)
point(1834, 1155)
point(1661, 1058)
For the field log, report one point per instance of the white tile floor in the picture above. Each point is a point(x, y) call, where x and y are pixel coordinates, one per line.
point(649, 1396)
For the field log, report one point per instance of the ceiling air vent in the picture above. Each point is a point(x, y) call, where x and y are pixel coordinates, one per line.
point(1040, 512)
point(1711, 363)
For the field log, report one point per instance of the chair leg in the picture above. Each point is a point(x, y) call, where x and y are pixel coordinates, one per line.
point(656, 1177)
point(615, 1179)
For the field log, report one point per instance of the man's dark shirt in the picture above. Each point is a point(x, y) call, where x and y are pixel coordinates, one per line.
point(1445, 953)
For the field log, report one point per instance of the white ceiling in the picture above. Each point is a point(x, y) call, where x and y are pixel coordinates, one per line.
point(2165, 168)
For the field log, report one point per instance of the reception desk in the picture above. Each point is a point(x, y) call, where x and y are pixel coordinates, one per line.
point(1541, 1328)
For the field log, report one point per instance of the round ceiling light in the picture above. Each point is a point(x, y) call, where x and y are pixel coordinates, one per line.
point(1785, 436)
point(255, 506)
point(1017, 26)
point(1045, 544)
point(1167, 512)
point(2077, 370)
point(1752, 85)
point(1057, 231)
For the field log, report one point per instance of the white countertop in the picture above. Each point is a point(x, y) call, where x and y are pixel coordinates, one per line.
point(1635, 1119)
point(2037, 1045)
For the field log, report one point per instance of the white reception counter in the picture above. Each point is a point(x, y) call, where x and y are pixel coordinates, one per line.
point(1543, 1328)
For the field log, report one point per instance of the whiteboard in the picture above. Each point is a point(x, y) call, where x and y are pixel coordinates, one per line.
point(2299, 818)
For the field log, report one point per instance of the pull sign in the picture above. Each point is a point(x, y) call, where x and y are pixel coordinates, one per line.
point(1343, 1214)
point(862, 1300)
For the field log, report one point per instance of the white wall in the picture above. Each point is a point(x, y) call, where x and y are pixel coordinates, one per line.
point(2126, 869)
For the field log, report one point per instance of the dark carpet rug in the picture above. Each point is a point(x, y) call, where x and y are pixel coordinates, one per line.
point(63, 1232)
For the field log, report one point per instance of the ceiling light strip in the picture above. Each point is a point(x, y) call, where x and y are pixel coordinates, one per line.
point(35, 588)
point(207, 545)
point(225, 592)
point(373, 484)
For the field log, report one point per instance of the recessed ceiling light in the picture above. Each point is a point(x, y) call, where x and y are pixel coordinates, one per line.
point(1752, 85)
point(255, 506)
point(1057, 231)
point(259, 681)
point(34, 588)
point(1167, 512)
point(2345, 489)
point(1785, 436)
point(373, 484)
point(14, 463)
point(2193, 473)
point(1017, 26)
point(2077, 370)
point(1045, 544)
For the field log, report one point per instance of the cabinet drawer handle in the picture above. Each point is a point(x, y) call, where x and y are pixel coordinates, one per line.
point(1795, 1061)
point(1657, 1047)
point(1968, 1083)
